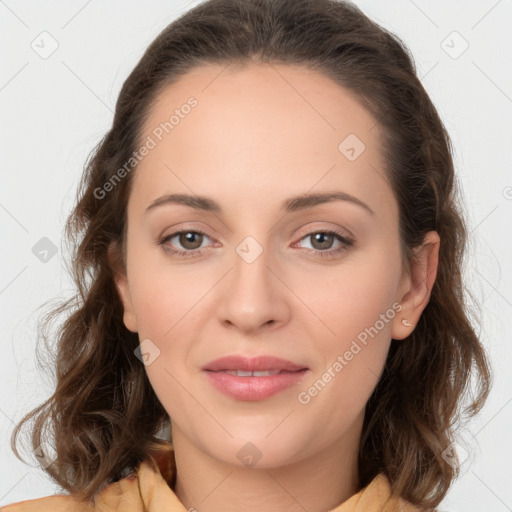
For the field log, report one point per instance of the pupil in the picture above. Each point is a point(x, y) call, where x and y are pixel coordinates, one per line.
point(322, 237)
point(188, 239)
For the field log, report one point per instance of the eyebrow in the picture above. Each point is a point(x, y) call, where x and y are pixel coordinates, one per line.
point(290, 205)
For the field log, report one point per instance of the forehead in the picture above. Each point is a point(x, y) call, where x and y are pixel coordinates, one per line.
point(260, 128)
point(261, 99)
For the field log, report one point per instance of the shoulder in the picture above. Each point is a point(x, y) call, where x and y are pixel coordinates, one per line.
point(121, 495)
point(152, 481)
point(56, 503)
point(376, 497)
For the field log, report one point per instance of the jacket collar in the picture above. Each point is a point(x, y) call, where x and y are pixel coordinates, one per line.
point(150, 488)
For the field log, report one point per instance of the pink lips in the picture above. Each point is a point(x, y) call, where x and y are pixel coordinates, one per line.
point(253, 387)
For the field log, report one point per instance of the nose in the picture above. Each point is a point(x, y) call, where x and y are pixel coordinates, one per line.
point(253, 294)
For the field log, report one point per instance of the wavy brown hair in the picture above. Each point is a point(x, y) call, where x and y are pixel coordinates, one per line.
point(104, 416)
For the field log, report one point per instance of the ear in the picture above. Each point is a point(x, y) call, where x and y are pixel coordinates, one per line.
point(121, 283)
point(416, 286)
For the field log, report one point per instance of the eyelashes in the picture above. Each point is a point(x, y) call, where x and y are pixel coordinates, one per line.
point(164, 242)
point(345, 241)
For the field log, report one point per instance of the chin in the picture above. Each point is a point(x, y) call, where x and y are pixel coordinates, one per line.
point(260, 449)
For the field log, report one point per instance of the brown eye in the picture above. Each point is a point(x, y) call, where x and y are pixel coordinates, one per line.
point(321, 240)
point(184, 243)
point(190, 239)
point(323, 243)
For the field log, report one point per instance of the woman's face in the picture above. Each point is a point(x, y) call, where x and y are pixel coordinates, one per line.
point(263, 275)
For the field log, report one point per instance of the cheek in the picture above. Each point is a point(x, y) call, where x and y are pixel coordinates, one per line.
point(164, 293)
point(356, 306)
point(353, 297)
point(169, 300)
point(166, 305)
point(350, 362)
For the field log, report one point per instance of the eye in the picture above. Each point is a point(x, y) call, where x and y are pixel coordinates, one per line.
point(190, 240)
point(323, 240)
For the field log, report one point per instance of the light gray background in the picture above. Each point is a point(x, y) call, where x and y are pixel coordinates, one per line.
point(54, 109)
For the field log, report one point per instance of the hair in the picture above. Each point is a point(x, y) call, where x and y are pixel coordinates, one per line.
point(104, 416)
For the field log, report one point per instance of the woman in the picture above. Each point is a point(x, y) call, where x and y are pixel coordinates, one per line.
point(269, 250)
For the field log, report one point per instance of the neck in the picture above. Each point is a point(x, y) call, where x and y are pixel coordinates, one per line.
point(316, 484)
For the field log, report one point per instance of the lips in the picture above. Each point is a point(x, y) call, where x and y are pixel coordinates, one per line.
point(252, 379)
point(256, 364)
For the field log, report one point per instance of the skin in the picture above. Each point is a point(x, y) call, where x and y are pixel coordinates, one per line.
point(260, 135)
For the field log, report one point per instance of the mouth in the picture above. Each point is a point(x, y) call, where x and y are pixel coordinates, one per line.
point(253, 379)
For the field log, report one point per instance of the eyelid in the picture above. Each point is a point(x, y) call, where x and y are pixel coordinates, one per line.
point(342, 232)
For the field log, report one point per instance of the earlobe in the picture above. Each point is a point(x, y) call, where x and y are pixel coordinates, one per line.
point(421, 281)
point(122, 287)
